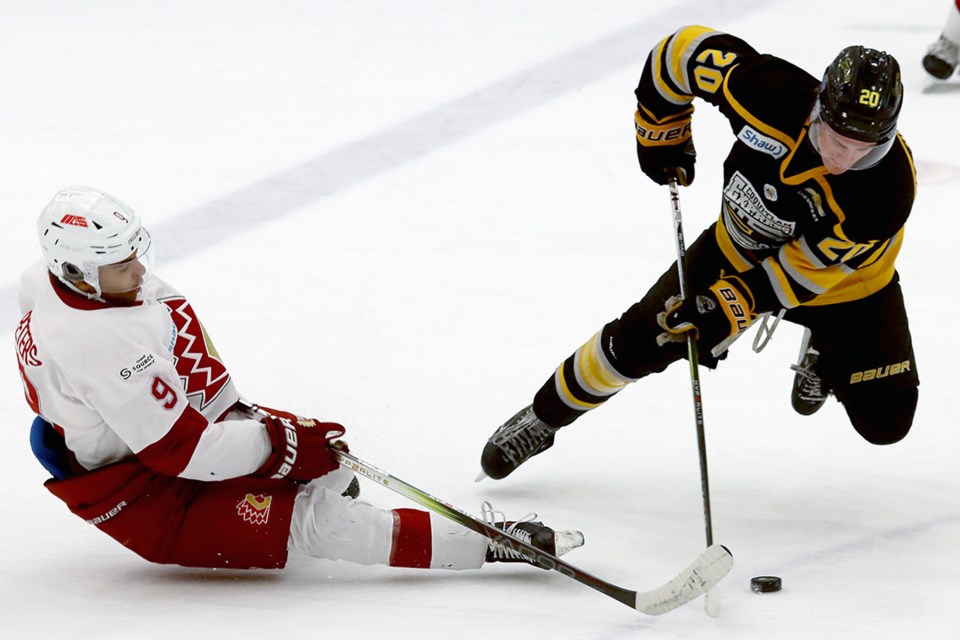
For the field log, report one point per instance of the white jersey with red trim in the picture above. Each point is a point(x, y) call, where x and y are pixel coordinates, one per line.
point(141, 380)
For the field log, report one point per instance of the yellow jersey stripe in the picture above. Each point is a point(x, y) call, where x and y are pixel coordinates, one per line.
point(811, 174)
point(729, 249)
point(780, 284)
point(680, 49)
point(759, 125)
point(878, 253)
point(864, 281)
point(814, 278)
point(665, 91)
point(909, 154)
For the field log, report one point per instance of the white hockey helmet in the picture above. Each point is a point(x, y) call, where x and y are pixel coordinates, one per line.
point(83, 229)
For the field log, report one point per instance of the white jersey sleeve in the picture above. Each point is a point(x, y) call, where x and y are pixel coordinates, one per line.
point(142, 380)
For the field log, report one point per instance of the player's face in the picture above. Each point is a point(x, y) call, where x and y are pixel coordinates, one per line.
point(121, 281)
point(840, 153)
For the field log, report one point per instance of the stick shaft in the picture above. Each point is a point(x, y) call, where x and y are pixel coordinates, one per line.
point(709, 567)
point(694, 361)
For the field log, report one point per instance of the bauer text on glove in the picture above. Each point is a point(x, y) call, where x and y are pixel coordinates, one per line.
point(665, 148)
point(726, 308)
point(300, 447)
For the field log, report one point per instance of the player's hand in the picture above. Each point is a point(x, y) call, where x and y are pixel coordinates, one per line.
point(712, 316)
point(665, 149)
point(300, 446)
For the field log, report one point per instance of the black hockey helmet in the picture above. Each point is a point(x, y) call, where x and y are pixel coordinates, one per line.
point(861, 94)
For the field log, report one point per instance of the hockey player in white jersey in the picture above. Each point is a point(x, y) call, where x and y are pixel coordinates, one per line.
point(146, 437)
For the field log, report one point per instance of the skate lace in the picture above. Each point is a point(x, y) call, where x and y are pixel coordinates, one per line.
point(498, 519)
point(522, 438)
point(809, 388)
point(946, 50)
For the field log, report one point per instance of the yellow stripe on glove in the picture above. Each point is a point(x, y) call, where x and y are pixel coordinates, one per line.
point(672, 131)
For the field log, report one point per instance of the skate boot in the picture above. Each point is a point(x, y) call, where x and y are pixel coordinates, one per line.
point(941, 58)
point(556, 543)
point(809, 392)
point(518, 439)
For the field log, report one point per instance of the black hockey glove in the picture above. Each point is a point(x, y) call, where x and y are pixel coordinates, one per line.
point(716, 314)
point(665, 149)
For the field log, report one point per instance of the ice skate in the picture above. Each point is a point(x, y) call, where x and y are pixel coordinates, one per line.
point(941, 58)
point(809, 392)
point(518, 439)
point(556, 543)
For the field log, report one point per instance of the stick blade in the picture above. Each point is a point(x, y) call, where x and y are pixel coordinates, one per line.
point(701, 576)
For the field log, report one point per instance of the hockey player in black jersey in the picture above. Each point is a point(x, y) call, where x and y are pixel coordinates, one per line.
point(817, 188)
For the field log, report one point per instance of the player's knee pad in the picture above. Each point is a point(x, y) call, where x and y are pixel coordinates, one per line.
point(883, 419)
point(325, 524)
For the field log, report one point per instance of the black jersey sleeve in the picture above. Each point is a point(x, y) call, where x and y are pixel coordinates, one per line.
point(692, 62)
point(767, 92)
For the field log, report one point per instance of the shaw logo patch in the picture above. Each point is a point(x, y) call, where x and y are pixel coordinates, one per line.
point(255, 509)
point(765, 144)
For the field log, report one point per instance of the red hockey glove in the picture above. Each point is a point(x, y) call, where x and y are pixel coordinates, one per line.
point(665, 149)
point(300, 447)
point(719, 312)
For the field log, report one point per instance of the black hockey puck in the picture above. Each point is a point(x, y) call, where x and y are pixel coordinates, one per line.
point(765, 584)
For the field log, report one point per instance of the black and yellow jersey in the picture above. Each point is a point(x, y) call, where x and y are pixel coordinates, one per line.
point(795, 233)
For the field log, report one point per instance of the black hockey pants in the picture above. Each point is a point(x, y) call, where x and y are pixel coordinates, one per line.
point(866, 356)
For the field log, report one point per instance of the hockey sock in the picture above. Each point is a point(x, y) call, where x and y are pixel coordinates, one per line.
point(582, 382)
point(423, 540)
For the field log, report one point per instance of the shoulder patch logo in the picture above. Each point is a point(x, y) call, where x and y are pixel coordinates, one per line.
point(255, 509)
point(814, 202)
point(201, 371)
point(759, 142)
point(143, 363)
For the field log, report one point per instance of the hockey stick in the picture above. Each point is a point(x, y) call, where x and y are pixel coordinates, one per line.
point(709, 567)
point(693, 359)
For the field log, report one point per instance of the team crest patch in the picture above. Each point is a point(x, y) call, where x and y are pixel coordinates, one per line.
point(255, 509)
point(748, 220)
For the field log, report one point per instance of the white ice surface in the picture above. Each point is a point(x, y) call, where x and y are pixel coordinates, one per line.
point(402, 216)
